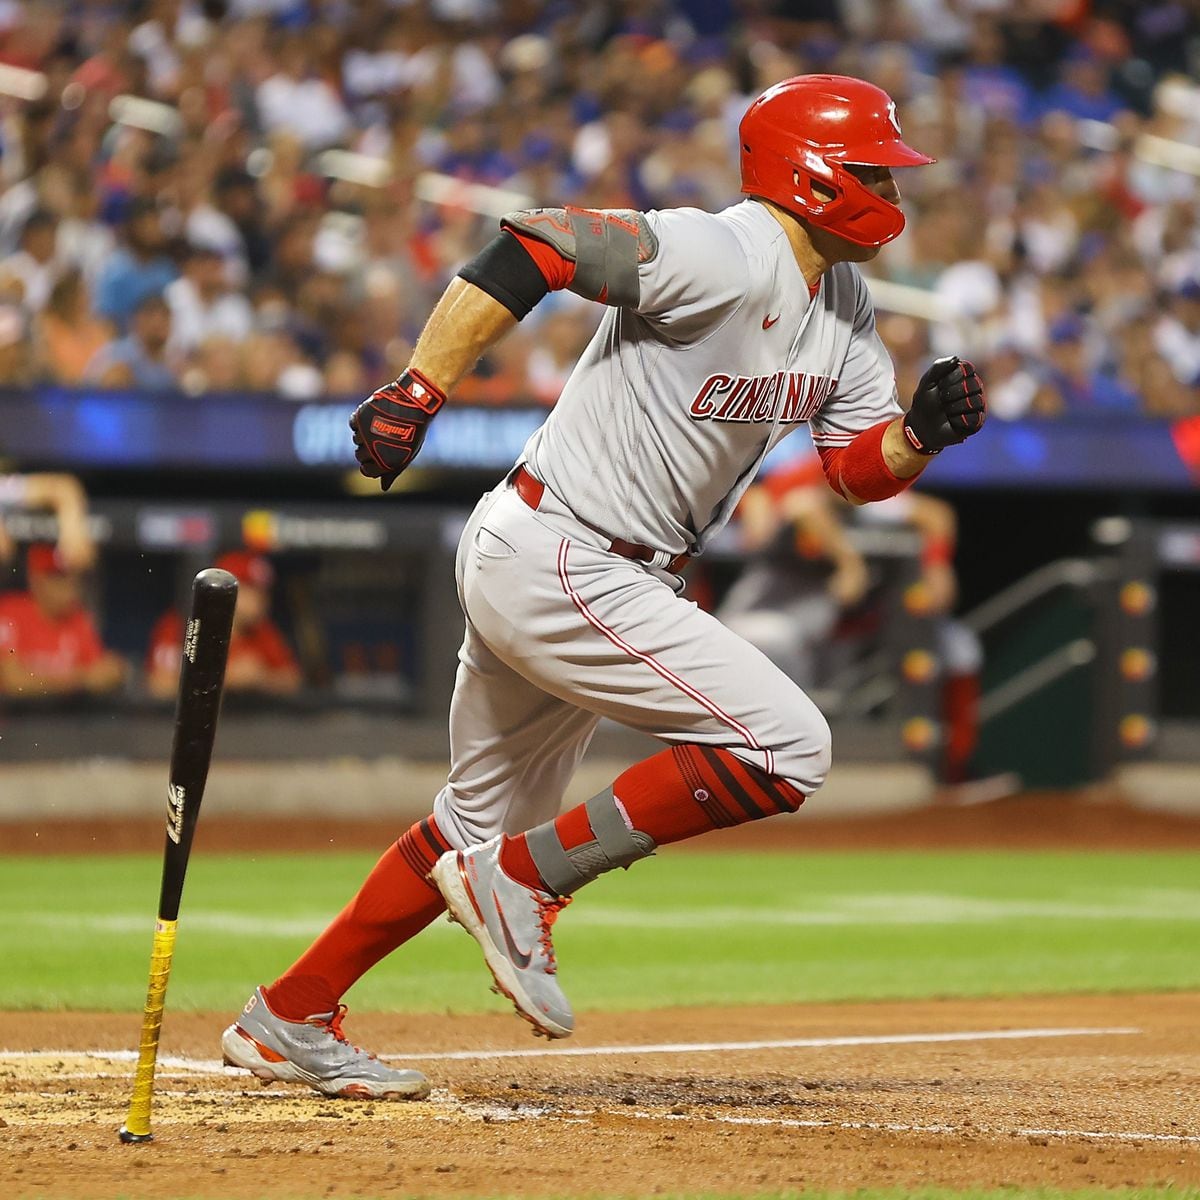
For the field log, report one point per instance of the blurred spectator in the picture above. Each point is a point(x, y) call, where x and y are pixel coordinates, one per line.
point(138, 266)
point(260, 660)
point(16, 361)
point(202, 304)
point(1177, 333)
point(83, 240)
point(35, 265)
point(216, 366)
point(1075, 386)
point(49, 645)
point(143, 358)
point(1083, 89)
point(296, 99)
point(68, 335)
point(1048, 199)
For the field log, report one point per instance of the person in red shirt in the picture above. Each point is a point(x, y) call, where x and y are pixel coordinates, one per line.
point(49, 645)
point(260, 660)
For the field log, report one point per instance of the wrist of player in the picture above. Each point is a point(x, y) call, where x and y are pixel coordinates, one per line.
point(390, 425)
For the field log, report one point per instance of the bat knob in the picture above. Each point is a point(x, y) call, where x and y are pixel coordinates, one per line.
point(214, 579)
point(134, 1139)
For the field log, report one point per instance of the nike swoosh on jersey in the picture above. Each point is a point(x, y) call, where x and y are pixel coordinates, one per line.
point(769, 320)
point(522, 958)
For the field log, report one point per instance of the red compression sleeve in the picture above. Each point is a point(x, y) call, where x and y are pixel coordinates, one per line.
point(859, 468)
point(558, 271)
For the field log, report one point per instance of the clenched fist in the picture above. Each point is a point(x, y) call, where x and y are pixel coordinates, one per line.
point(947, 407)
point(390, 425)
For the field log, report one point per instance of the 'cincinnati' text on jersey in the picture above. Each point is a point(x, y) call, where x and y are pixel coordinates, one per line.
point(786, 396)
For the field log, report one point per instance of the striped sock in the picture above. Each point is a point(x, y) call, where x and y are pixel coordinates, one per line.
point(395, 902)
point(674, 795)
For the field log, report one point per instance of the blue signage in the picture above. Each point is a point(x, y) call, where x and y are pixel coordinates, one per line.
point(92, 429)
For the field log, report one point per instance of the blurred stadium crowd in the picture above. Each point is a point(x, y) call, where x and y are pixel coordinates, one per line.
point(270, 194)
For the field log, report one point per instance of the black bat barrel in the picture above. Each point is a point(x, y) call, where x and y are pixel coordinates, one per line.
point(205, 653)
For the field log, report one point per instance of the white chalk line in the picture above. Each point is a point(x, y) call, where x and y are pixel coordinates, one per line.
point(882, 908)
point(215, 1066)
point(892, 1039)
point(182, 1068)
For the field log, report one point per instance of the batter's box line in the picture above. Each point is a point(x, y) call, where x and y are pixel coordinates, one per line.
point(216, 1067)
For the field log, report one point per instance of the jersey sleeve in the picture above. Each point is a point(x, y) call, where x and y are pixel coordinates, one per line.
point(865, 393)
point(697, 278)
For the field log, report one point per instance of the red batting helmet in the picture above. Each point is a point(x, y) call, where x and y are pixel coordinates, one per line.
point(803, 131)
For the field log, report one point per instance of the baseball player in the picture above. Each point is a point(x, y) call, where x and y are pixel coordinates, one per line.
point(723, 333)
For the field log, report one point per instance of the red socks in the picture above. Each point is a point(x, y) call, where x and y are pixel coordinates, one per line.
point(394, 903)
point(674, 795)
point(960, 719)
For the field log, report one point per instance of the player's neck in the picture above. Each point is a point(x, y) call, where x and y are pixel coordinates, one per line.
point(812, 259)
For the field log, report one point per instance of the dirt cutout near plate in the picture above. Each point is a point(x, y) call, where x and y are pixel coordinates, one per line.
point(1071, 1111)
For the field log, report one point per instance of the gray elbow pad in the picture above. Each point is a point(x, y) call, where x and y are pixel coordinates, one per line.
point(606, 245)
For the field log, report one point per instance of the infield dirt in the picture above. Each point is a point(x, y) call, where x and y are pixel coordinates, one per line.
point(1071, 1111)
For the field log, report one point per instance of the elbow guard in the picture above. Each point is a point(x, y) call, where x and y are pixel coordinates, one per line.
point(605, 247)
point(859, 472)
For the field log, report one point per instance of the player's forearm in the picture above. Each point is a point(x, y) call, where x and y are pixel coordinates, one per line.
point(463, 325)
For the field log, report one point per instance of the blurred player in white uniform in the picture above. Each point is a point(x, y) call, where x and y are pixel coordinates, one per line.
point(724, 332)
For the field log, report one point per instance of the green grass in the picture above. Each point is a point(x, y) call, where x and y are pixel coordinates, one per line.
point(684, 929)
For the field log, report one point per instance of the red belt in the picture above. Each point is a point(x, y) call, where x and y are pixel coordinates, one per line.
point(531, 490)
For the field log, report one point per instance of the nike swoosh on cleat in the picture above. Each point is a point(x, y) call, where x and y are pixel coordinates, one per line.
point(521, 958)
point(769, 320)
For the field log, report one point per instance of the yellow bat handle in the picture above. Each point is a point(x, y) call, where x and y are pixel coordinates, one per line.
point(137, 1123)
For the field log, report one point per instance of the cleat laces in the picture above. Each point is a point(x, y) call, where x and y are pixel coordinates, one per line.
point(334, 1026)
point(548, 910)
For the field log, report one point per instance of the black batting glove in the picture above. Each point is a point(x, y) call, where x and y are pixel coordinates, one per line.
point(947, 407)
point(390, 425)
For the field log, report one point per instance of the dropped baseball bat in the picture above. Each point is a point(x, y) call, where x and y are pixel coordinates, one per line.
point(201, 677)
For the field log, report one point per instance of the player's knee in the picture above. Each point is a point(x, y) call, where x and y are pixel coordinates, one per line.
point(822, 752)
point(805, 759)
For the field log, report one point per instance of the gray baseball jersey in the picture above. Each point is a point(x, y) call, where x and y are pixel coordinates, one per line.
point(662, 425)
point(673, 405)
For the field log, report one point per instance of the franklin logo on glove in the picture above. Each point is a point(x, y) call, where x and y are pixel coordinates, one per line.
point(394, 419)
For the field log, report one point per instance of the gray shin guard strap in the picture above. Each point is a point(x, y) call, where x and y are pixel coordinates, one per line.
point(620, 844)
point(615, 845)
point(558, 873)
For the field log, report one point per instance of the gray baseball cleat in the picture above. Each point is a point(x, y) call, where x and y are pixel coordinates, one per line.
point(511, 923)
point(314, 1052)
